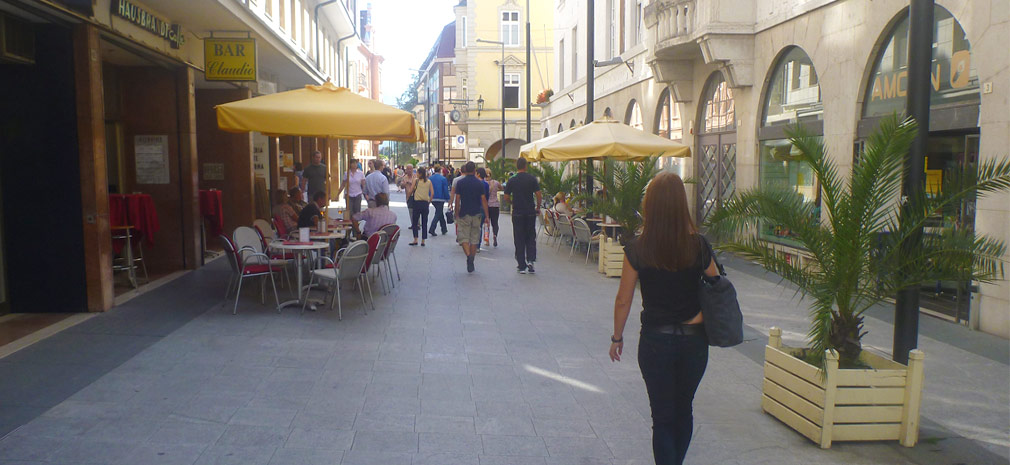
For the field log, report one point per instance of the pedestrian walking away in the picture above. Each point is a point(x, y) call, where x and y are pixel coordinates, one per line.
point(668, 259)
point(493, 204)
point(482, 175)
point(470, 202)
point(523, 192)
point(440, 187)
point(421, 192)
point(354, 184)
point(375, 184)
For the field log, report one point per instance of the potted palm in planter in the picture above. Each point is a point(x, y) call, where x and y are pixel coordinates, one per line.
point(624, 183)
point(865, 249)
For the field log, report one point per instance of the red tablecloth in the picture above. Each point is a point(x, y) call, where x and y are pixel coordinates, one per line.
point(135, 210)
point(210, 208)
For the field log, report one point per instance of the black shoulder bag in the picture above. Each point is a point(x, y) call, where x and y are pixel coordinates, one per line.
point(719, 306)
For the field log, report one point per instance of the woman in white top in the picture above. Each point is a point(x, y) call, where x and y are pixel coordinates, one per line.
point(561, 206)
point(421, 191)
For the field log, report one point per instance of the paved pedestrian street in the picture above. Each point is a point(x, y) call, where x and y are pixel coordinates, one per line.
point(486, 368)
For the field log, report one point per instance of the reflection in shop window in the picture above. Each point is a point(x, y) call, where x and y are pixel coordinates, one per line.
point(720, 111)
point(794, 92)
point(781, 170)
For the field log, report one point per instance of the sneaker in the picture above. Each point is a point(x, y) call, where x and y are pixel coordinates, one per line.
point(496, 241)
point(529, 268)
point(432, 233)
point(469, 265)
point(521, 270)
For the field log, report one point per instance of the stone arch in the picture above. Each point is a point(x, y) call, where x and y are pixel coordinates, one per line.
point(667, 121)
point(633, 115)
point(511, 149)
point(799, 100)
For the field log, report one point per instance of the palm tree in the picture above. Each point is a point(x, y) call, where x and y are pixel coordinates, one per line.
point(554, 179)
point(868, 246)
point(624, 184)
point(500, 168)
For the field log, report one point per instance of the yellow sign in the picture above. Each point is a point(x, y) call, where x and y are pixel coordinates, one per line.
point(229, 59)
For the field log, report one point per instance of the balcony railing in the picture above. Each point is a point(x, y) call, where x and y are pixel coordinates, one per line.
point(671, 19)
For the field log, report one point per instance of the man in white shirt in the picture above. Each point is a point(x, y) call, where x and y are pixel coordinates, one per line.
point(354, 182)
point(376, 183)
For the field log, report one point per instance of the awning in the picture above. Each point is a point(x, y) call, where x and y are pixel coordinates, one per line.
point(602, 139)
point(320, 111)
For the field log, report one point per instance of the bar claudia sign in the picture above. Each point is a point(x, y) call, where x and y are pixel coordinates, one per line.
point(149, 22)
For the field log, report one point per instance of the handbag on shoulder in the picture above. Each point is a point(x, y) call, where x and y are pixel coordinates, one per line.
point(720, 307)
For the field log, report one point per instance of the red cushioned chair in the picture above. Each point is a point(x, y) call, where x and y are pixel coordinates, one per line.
point(247, 263)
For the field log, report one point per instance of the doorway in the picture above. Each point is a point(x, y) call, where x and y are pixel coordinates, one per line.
point(947, 150)
point(716, 172)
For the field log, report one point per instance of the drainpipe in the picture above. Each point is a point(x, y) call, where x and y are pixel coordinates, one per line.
point(346, 71)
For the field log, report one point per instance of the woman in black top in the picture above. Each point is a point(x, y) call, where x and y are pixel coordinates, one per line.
point(668, 259)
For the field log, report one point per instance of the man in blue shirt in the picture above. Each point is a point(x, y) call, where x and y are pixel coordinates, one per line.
point(441, 188)
point(471, 202)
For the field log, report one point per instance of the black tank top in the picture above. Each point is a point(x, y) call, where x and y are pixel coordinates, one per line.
point(669, 297)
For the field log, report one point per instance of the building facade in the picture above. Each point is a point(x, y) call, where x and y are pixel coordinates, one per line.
point(479, 72)
point(725, 77)
point(117, 98)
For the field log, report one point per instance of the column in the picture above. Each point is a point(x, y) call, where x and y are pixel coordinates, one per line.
point(189, 184)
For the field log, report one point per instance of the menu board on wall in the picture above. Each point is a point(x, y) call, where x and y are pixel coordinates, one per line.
point(151, 156)
point(213, 171)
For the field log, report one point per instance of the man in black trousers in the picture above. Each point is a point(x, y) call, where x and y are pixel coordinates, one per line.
point(520, 192)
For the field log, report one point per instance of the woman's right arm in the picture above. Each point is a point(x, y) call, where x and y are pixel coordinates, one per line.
point(622, 308)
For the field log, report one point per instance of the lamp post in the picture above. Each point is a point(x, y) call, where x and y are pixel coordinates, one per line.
point(480, 104)
point(590, 86)
point(920, 57)
point(501, 89)
point(529, 130)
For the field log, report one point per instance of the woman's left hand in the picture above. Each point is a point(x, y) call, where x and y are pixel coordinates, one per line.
point(616, 349)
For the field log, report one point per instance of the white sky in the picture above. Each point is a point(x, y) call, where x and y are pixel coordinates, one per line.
point(403, 33)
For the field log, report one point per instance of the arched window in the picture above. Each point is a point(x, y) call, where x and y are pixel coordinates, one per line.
point(561, 128)
point(546, 133)
point(719, 109)
point(792, 96)
point(668, 122)
point(633, 116)
point(572, 124)
point(955, 81)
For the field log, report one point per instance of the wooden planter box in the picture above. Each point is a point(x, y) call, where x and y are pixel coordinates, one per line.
point(611, 257)
point(873, 404)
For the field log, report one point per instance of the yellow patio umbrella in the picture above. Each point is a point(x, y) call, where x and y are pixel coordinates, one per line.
point(320, 111)
point(601, 139)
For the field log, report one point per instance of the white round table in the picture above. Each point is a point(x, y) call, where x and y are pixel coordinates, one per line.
point(300, 249)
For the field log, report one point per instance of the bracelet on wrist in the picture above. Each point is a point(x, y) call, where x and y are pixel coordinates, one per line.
point(616, 341)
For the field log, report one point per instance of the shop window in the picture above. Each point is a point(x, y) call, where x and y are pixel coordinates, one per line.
point(794, 92)
point(780, 170)
point(510, 91)
point(633, 117)
point(720, 110)
point(954, 78)
point(668, 123)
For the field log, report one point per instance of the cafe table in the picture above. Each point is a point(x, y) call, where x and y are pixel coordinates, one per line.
point(610, 229)
point(301, 250)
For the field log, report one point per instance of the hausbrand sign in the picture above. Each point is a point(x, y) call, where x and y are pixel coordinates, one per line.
point(149, 22)
point(229, 59)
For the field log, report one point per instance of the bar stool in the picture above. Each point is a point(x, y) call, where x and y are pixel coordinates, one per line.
point(127, 261)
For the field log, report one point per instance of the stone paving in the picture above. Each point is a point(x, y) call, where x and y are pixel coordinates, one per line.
point(455, 368)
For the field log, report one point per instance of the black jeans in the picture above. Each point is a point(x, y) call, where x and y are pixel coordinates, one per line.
point(439, 217)
point(494, 212)
point(419, 218)
point(672, 366)
point(524, 232)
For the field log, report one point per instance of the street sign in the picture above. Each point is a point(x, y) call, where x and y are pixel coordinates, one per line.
point(459, 142)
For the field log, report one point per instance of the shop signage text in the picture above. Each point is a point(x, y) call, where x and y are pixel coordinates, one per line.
point(149, 22)
point(229, 59)
point(893, 85)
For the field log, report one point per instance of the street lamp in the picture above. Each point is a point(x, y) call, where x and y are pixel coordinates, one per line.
point(501, 89)
point(480, 104)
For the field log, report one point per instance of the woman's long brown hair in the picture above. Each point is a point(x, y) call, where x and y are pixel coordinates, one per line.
point(669, 237)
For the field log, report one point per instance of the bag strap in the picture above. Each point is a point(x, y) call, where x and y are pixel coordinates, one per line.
point(711, 253)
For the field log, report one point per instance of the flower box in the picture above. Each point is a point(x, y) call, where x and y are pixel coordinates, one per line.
point(611, 257)
point(879, 403)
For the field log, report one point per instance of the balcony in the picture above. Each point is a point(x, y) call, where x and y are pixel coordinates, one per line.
point(673, 21)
